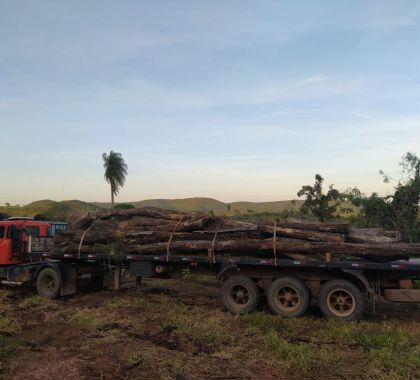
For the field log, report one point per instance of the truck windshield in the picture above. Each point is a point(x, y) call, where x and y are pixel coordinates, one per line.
point(2, 228)
point(33, 231)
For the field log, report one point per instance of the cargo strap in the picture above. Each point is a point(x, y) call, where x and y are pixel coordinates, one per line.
point(274, 242)
point(83, 237)
point(212, 257)
point(168, 253)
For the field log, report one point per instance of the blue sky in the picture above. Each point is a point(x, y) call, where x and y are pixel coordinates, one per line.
point(237, 100)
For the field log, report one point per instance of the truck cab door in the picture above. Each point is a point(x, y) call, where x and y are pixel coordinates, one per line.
point(19, 242)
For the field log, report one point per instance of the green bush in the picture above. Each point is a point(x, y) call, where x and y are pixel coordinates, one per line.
point(124, 206)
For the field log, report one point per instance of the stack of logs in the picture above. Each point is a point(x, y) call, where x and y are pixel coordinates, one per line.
point(153, 231)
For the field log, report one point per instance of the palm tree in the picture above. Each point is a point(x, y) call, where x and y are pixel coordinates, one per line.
point(115, 172)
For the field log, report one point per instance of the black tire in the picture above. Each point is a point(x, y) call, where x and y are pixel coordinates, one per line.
point(288, 297)
point(341, 300)
point(240, 294)
point(48, 283)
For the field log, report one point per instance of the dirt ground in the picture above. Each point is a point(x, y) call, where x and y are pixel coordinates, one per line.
point(175, 329)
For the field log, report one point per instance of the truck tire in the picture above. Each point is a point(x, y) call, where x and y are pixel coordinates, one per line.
point(288, 297)
point(240, 294)
point(48, 283)
point(341, 300)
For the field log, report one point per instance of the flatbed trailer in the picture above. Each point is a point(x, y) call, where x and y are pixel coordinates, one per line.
point(341, 288)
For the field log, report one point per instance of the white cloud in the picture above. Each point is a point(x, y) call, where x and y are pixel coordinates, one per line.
point(314, 78)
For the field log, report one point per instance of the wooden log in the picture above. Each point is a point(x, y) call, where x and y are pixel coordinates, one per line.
point(228, 230)
point(83, 222)
point(303, 234)
point(148, 230)
point(151, 212)
point(259, 246)
point(300, 224)
point(373, 236)
point(147, 237)
point(108, 229)
point(87, 219)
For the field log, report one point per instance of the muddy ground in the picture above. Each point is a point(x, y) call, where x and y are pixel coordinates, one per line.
point(175, 329)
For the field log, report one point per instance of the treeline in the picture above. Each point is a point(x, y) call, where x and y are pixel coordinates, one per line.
point(398, 211)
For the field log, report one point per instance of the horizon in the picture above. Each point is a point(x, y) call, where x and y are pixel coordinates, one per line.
point(143, 200)
point(221, 100)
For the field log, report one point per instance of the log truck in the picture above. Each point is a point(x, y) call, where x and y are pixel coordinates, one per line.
point(340, 288)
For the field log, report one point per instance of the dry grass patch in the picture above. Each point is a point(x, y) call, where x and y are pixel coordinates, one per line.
point(36, 301)
point(137, 359)
point(207, 331)
point(9, 325)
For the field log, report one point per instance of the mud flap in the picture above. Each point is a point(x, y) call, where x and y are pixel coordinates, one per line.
point(68, 276)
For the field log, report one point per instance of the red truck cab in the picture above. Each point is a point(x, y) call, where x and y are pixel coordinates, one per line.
point(14, 238)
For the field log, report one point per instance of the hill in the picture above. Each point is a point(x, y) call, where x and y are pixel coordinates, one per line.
point(186, 204)
point(54, 210)
point(48, 209)
point(221, 208)
point(265, 207)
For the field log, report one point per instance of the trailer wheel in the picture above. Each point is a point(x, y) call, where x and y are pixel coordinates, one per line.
point(240, 294)
point(48, 283)
point(341, 299)
point(288, 296)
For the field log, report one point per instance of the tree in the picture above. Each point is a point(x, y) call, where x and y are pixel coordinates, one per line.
point(115, 172)
point(398, 211)
point(124, 206)
point(404, 203)
point(321, 205)
point(41, 217)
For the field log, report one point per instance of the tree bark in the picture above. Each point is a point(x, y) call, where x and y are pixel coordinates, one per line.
point(342, 228)
point(112, 194)
point(148, 231)
point(373, 236)
point(260, 247)
point(303, 234)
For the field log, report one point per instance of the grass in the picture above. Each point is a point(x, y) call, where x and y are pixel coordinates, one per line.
point(201, 279)
point(370, 335)
point(297, 356)
point(385, 350)
point(176, 329)
point(207, 331)
point(303, 346)
point(100, 326)
point(191, 326)
point(8, 348)
point(89, 318)
point(9, 325)
point(35, 301)
point(138, 359)
point(288, 340)
point(404, 364)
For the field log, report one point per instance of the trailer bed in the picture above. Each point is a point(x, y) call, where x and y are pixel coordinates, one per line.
point(400, 265)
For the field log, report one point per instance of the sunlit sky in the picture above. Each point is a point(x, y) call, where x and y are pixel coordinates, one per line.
point(236, 100)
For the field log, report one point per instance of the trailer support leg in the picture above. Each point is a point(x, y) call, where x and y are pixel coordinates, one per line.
point(117, 278)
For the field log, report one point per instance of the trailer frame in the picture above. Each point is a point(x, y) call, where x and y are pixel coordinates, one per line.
point(392, 281)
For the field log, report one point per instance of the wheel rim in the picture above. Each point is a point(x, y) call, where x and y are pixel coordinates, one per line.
point(341, 302)
point(49, 283)
point(287, 298)
point(239, 296)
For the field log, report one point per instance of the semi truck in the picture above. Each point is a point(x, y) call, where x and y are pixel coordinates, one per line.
point(341, 288)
